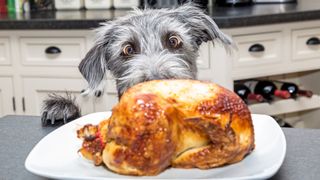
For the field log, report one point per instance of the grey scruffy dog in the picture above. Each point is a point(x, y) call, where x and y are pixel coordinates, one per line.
point(146, 45)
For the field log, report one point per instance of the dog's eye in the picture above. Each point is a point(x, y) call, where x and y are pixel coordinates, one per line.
point(174, 42)
point(128, 50)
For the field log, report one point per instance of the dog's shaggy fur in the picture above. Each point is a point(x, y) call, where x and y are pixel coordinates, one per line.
point(148, 34)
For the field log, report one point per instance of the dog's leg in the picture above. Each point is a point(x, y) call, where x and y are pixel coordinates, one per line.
point(57, 107)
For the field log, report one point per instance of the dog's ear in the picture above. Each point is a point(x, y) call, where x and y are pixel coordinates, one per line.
point(93, 67)
point(202, 27)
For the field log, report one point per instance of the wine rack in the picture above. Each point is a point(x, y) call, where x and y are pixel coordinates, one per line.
point(286, 106)
point(300, 112)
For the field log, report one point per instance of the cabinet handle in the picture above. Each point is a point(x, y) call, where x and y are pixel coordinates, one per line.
point(53, 50)
point(14, 104)
point(313, 41)
point(23, 105)
point(256, 48)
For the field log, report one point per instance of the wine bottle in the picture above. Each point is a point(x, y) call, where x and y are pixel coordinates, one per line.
point(245, 94)
point(268, 90)
point(294, 90)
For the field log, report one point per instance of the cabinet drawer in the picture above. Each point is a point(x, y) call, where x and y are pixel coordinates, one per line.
point(306, 44)
point(4, 51)
point(259, 49)
point(49, 51)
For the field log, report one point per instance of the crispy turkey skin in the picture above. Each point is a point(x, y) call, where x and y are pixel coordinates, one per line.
point(178, 123)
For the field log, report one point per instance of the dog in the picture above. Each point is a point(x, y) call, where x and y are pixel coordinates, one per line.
point(145, 45)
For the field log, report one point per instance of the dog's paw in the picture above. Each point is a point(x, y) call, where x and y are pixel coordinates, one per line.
point(85, 92)
point(58, 109)
point(50, 119)
point(98, 93)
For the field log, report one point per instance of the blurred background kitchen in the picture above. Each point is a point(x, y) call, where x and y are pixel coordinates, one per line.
point(276, 69)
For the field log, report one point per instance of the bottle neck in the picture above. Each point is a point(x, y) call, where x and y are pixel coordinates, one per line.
point(305, 93)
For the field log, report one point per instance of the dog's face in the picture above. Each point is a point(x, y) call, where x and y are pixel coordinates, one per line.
point(150, 44)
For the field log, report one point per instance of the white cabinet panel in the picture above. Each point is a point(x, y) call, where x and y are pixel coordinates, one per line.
point(5, 51)
point(109, 98)
point(6, 95)
point(219, 72)
point(203, 61)
point(37, 89)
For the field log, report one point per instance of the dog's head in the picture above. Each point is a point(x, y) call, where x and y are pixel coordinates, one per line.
point(150, 44)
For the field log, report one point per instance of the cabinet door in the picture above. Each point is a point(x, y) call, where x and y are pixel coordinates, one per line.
point(37, 89)
point(6, 96)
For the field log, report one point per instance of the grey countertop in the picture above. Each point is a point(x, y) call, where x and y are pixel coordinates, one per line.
point(225, 17)
point(19, 134)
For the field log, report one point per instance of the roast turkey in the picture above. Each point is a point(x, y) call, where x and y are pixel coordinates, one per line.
point(171, 123)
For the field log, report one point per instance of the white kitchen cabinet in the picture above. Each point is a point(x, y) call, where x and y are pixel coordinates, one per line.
point(37, 89)
point(37, 73)
point(7, 104)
